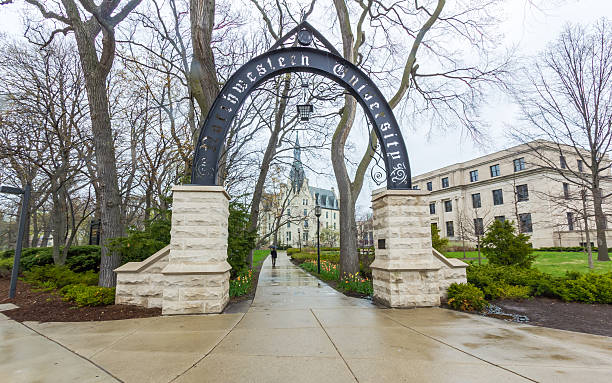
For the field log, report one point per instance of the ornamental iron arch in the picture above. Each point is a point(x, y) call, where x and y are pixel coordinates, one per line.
point(279, 60)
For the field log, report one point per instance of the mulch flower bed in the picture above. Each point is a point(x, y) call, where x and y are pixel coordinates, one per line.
point(48, 307)
point(554, 313)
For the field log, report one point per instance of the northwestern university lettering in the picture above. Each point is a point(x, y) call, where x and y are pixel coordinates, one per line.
point(300, 59)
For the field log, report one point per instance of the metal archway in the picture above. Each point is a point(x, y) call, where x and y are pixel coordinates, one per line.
point(300, 59)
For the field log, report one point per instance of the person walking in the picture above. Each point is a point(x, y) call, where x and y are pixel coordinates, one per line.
point(274, 255)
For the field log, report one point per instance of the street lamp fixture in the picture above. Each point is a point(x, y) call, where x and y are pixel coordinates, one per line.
point(318, 214)
point(300, 238)
point(305, 109)
point(25, 201)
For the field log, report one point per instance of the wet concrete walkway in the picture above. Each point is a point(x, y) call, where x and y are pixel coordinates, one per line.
point(300, 330)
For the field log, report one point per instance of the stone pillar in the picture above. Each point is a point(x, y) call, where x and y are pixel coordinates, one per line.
point(405, 272)
point(197, 274)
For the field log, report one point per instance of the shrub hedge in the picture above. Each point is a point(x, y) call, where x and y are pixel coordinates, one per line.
point(84, 295)
point(80, 258)
point(466, 297)
point(516, 282)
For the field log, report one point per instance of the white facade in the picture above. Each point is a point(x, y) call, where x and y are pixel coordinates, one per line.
point(513, 184)
point(292, 210)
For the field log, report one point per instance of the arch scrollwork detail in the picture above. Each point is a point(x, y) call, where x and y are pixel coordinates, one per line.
point(300, 59)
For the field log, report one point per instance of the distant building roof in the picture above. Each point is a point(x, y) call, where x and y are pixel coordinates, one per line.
point(326, 198)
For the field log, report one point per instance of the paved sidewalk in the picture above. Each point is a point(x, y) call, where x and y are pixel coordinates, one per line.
point(301, 330)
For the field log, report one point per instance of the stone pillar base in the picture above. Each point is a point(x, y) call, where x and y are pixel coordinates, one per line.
point(206, 293)
point(406, 288)
point(197, 275)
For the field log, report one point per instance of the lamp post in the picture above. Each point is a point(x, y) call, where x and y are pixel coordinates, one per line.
point(300, 238)
point(25, 201)
point(318, 214)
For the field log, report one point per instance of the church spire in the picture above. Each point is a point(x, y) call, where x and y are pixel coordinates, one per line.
point(297, 169)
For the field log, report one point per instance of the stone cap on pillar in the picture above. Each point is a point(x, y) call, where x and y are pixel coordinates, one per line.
point(400, 265)
point(200, 188)
point(197, 268)
point(382, 192)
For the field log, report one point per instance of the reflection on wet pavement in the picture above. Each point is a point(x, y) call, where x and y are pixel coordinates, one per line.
point(286, 286)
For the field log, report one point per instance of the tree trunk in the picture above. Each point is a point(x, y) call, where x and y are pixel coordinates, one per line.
point(585, 216)
point(600, 224)
point(110, 212)
point(349, 258)
point(59, 223)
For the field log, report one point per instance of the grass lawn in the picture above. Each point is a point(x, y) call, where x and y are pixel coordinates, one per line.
point(259, 256)
point(553, 262)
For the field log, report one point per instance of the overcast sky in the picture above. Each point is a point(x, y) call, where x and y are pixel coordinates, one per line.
point(527, 27)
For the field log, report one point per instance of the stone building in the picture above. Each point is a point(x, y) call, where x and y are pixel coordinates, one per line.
point(520, 184)
point(290, 212)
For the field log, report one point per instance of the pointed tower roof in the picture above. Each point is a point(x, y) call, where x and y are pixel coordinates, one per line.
point(297, 169)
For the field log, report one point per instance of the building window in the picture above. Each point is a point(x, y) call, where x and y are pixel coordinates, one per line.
point(434, 225)
point(519, 164)
point(570, 221)
point(566, 190)
point(525, 223)
point(474, 176)
point(500, 218)
point(432, 208)
point(334, 225)
point(288, 236)
point(522, 194)
point(445, 182)
point(562, 162)
point(478, 226)
point(430, 186)
point(498, 197)
point(580, 165)
point(326, 214)
point(288, 225)
point(306, 236)
point(289, 212)
point(327, 225)
point(450, 230)
point(448, 206)
point(334, 215)
point(305, 212)
point(494, 170)
point(476, 200)
point(305, 223)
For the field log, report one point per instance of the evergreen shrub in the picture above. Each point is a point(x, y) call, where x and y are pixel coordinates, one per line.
point(502, 246)
point(466, 297)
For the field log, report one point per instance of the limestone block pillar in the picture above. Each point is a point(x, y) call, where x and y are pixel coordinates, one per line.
point(197, 274)
point(405, 273)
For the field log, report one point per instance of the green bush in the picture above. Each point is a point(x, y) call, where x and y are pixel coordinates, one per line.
point(7, 254)
point(80, 258)
point(466, 297)
point(241, 240)
point(502, 290)
point(6, 266)
point(84, 295)
point(573, 287)
point(141, 244)
point(293, 251)
point(303, 256)
point(589, 288)
point(438, 242)
point(502, 246)
point(55, 277)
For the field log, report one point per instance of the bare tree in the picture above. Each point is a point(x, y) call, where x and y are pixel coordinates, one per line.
point(87, 20)
point(567, 100)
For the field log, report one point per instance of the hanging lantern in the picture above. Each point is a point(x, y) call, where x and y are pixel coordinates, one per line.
point(305, 109)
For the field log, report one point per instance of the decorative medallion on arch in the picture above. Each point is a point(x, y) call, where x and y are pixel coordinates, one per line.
point(293, 53)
